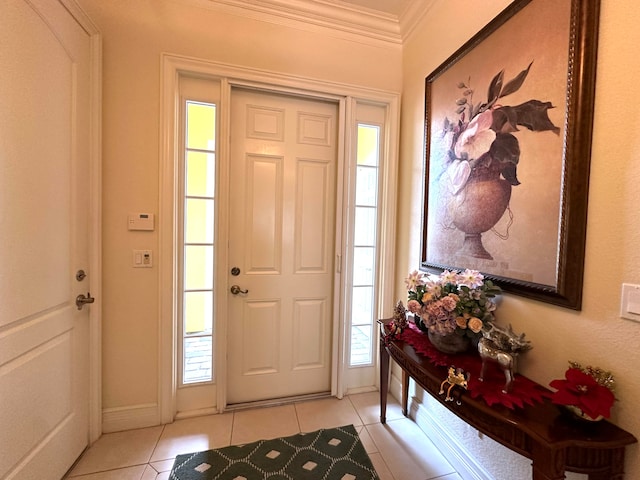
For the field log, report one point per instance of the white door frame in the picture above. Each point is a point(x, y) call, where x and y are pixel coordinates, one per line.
point(95, 225)
point(347, 96)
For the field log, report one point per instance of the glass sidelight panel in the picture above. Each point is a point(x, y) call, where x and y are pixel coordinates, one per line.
point(198, 243)
point(364, 250)
point(201, 126)
point(198, 219)
point(200, 174)
point(198, 312)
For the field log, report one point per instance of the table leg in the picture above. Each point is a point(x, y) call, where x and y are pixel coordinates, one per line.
point(405, 392)
point(384, 381)
point(548, 464)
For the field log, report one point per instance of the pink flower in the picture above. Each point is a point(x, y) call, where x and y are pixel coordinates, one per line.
point(413, 306)
point(471, 278)
point(435, 289)
point(449, 277)
point(477, 138)
point(414, 279)
point(449, 302)
point(438, 312)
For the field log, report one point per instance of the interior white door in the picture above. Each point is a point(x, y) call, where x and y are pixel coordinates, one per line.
point(44, 198)
point(281, 240)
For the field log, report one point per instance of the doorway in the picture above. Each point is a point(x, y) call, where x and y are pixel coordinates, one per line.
point(349, 107)
point(281, 245)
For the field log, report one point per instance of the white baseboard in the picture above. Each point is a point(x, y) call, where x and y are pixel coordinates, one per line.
point(131, 417)
point(437, 432)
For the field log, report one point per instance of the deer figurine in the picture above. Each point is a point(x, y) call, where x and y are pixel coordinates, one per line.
point(502, 346)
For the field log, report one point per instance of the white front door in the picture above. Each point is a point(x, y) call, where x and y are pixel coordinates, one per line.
point(281, 240)
point(44, 199)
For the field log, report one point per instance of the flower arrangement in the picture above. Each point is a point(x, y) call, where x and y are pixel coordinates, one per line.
point(454, 302)
point(483, 140)
point(589, 390)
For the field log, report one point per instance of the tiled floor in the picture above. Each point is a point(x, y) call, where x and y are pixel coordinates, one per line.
point(399, 450)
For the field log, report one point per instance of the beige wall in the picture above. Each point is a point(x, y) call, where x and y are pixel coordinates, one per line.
point(135, 33)
point(596, 335)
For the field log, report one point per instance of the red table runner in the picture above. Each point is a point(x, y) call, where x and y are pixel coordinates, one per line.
point(523, 391)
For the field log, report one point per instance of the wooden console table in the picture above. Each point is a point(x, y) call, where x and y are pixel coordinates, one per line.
point(552, 441)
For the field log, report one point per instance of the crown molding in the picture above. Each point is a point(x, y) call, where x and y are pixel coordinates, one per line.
point(335, 17)
point(411, 16)
point(339, 18)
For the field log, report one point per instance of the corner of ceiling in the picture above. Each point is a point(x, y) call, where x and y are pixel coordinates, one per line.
point(412, 15)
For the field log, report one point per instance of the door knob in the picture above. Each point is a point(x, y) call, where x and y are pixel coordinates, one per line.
point(235, 289)
point(81, 300)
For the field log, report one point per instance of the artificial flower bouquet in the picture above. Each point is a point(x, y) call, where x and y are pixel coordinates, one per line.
point(588, 391)
point(453, 302)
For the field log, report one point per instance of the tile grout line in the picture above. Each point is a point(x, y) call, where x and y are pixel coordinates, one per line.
point(379, 450)
point(233, 426)
point(155, 447)
point(295, 411)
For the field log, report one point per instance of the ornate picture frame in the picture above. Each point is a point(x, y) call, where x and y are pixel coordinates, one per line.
point(508, 127)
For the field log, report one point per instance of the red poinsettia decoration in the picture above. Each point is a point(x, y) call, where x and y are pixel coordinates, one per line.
point(584, 390)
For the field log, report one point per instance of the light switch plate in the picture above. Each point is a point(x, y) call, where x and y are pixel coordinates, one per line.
point(142, 259)
point(630, 302)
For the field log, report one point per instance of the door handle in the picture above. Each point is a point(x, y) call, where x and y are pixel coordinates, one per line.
point(81, 300)
point(235, 289)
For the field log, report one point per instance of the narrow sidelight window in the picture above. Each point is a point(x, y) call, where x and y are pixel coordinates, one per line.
point(364, 249)
point(198, 242)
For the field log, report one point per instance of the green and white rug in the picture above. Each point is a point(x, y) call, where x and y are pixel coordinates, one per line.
point(328, 454)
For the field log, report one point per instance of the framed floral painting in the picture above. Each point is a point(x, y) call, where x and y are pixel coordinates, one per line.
point(508, 123)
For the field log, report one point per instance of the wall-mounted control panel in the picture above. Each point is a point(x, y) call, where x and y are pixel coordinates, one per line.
point(140, 221)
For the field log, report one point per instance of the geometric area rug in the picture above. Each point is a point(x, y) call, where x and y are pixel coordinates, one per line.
point(328, 454)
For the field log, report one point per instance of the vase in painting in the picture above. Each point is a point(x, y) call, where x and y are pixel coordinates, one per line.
point(477, 207)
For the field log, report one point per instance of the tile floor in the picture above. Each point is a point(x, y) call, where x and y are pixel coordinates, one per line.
point(399, 450)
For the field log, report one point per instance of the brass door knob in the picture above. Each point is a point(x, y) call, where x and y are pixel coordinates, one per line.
point(235, 289)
